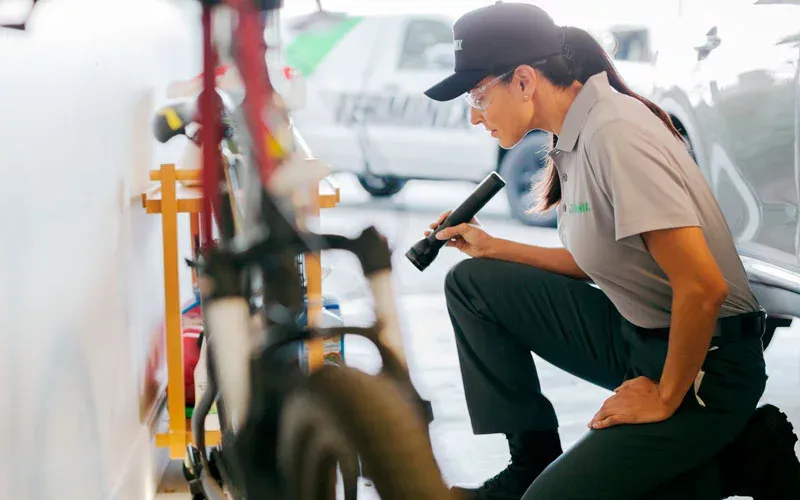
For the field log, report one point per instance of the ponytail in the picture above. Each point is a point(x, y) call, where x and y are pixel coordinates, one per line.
point(582, 57)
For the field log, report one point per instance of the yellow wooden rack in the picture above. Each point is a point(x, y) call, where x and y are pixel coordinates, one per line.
point(178, 191)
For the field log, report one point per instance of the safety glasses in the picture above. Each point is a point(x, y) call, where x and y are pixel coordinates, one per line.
point(477, 97)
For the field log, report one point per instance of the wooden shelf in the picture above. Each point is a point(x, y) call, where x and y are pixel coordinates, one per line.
point(190, 199)
point(164, 440)
point(329, 195)
point(180, 191)
point(189, 193)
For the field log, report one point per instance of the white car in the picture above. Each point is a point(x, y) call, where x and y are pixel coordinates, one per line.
point(365, 111)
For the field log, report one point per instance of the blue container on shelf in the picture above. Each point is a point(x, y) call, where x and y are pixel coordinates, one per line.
point(333, 348)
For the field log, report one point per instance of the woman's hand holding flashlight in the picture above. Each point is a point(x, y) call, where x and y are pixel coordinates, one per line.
point(469, 238)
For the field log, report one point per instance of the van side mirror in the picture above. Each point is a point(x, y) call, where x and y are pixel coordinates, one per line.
point(711, 42)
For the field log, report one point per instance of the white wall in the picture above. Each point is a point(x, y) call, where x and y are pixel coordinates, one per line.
point(81, 290)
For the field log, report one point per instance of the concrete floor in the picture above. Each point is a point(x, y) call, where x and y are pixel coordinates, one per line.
point(463, 457)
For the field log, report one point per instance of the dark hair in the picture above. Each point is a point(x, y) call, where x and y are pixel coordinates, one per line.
point(581, 58)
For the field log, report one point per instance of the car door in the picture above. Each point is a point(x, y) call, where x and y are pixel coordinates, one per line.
point(329, 51)
point(408, 134)
point(746, 106)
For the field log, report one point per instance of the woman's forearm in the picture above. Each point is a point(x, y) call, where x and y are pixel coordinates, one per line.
point(694, 315)
point(557, 260)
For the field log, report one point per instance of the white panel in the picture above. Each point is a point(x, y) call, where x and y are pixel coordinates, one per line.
point(81, 287)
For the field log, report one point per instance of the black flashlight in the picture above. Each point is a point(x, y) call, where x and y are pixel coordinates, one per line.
point(425, 250)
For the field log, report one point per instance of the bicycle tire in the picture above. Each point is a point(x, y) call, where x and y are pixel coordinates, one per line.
point(340, 413)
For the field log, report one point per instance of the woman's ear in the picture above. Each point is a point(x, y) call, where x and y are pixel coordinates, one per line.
point(526, 77)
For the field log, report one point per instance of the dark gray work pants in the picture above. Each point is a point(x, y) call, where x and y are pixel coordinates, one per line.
point(502, 311)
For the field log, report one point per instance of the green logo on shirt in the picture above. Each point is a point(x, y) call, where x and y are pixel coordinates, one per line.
point(579, 208)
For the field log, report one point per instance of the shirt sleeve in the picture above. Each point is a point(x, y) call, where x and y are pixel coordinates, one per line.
point(642, 178)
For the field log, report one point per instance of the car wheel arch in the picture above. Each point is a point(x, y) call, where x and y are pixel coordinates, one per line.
point(679, 111)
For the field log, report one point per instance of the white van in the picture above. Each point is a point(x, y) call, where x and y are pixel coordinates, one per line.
point(365, 111)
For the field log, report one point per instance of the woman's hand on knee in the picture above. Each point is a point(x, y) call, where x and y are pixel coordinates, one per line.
point(637, 401)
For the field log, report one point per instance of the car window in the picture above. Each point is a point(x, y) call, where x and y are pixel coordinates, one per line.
point(627, 44)
point(635, 46)
point(421, 38)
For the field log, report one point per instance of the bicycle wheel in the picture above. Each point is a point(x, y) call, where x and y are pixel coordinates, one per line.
point(339, 415)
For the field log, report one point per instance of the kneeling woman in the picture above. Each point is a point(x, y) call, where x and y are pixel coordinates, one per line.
point(669, 324)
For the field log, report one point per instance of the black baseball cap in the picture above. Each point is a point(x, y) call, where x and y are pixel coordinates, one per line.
point(497, 36)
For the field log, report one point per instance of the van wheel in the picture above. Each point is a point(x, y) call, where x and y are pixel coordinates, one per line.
point(381, 186)
point(522, 168)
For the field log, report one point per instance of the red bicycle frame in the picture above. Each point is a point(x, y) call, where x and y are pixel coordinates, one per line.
point(250, 59)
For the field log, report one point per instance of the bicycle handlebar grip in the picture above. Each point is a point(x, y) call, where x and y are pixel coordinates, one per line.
point(370, 247)
point(171, 121)
point(423, 253)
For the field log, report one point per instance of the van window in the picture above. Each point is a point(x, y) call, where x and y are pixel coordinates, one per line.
point(420, 36)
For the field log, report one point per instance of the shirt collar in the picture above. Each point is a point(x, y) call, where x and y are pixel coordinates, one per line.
point(595, 87)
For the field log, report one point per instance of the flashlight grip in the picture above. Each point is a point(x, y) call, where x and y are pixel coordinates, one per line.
point(489, 187)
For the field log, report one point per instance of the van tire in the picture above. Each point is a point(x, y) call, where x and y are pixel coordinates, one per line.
point(521, 168)
point(381, 186)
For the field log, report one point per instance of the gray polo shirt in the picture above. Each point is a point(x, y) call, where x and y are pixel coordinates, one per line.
point(622, 174)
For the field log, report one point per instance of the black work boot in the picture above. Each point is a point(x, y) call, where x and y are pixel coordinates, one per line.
point(761, 463)
point(531, 453)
